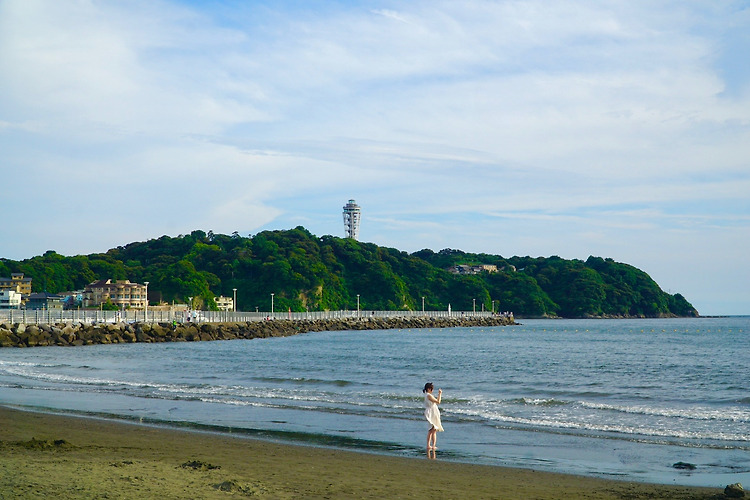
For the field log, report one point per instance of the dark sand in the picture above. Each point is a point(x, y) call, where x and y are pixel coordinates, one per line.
point(53, 456)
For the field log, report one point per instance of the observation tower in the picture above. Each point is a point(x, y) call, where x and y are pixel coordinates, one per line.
point(352, 216)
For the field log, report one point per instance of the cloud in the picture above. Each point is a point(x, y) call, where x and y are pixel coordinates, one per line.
point(114, 71)
point(571, 128)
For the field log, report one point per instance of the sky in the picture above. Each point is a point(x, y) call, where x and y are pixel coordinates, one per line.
point(618, 128)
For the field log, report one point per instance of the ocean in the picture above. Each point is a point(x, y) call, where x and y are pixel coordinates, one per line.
point(624, 399)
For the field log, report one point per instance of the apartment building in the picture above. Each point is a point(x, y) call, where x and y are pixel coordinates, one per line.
point(122, 293)
point(16, 283)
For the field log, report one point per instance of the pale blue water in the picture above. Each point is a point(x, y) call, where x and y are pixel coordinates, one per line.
point(613, 398)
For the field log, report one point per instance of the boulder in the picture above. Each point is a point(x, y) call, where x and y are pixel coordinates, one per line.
point(159, 331)
point(140, 335)
point(208, 328)
point(68, 336)
point(127, 336)
point(7, 338)
point(684, 466)
point(734, 491)
point(31, 330)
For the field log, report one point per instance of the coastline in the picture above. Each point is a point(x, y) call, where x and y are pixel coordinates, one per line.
point(61, 456)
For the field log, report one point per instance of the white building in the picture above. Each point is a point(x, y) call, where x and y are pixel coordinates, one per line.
point(224, 303)
point(10, 299)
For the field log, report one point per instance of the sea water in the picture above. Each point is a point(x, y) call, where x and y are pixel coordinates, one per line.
point(625, 399)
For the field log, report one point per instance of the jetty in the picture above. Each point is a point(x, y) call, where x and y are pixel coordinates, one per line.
point(88, 333)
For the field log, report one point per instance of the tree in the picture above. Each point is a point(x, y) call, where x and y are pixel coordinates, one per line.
point(310, 272)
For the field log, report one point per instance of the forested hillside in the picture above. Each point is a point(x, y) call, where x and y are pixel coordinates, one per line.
point(317, 273)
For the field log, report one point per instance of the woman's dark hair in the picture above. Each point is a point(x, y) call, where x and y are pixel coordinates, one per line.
point(428, 385)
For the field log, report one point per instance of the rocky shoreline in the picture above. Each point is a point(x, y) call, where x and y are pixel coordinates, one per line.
point(78, 334)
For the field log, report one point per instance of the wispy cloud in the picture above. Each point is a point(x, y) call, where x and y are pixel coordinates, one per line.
point(570, 127)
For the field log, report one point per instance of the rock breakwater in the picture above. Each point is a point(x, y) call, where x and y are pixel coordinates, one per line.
point(77, 334)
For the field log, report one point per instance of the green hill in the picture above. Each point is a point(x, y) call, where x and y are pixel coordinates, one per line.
point(326, 273)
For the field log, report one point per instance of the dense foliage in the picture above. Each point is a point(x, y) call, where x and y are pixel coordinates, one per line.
point(319, 273)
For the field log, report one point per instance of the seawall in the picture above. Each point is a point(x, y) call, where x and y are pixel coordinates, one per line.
point(77, 334)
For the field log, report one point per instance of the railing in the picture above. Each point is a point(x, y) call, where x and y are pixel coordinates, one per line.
point(50, 316)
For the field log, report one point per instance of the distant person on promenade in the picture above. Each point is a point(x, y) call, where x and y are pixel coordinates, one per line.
point(432, 414)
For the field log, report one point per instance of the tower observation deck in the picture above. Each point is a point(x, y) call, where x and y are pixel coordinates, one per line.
point(352, 216)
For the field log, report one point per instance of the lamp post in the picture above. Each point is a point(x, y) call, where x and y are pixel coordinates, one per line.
point(358, 305)
point(145, 313)
point(422, 306)
point(234, 299)
point(474, 307)
point(272, 305)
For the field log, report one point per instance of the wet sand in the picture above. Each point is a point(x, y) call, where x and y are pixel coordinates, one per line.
point(53, 456)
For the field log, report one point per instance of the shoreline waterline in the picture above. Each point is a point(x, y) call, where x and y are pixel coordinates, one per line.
point(127, 459)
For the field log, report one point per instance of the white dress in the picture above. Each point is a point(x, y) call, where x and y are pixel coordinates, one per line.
point(432, 413)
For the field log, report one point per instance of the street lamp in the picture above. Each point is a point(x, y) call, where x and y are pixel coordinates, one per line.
point(422, 306)
point(272, 304)
point(358, 305)
point(145, 314)
point(475, 305)
point(234, 299)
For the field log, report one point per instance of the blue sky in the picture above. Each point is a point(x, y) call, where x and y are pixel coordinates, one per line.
point(618, 129)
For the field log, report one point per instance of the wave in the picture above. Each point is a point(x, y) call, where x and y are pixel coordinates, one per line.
point(725, 413)
point(237, 394)
point(730, 414)
point(303, 380)
point(60, 378)
point(590, 428)
point(36, 364)
point(394, 403)
point(538, 402)
point(380, 412)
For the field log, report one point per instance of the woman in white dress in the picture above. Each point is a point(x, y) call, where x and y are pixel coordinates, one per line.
point(432, 414)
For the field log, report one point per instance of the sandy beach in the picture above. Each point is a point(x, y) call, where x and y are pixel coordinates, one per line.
point(54, 456)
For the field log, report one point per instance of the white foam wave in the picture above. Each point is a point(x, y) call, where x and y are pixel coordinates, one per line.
point(249, 395)
point(588, 425)
point(729, 414)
